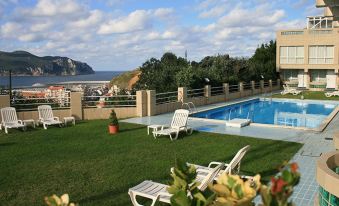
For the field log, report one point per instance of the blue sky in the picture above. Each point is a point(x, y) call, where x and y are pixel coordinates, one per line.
point(122, 34)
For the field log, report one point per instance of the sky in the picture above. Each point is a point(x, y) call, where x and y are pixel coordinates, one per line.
point(118, 35)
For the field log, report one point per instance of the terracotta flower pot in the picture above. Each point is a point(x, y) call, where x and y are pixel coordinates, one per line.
point(113, 129)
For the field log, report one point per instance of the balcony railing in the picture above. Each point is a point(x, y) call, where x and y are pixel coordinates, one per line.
point(109, 101)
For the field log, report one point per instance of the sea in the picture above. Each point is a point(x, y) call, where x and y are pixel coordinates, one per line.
point(26, 81)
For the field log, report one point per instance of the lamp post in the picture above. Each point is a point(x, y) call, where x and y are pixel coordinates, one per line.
point(10, 85)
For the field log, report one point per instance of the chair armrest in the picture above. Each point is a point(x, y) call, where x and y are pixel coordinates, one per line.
point(166, 194)
point(56, 118)
point(20, 121)
point(203, 170)
point(216, 164)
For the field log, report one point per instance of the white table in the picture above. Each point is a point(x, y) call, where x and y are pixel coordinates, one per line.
point(29, 122)
point(69, 119)
point(154, 127)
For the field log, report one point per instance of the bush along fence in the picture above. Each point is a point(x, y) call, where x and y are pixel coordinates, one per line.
point(143, 103)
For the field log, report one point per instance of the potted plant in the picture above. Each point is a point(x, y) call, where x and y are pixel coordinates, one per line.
point(113, 126)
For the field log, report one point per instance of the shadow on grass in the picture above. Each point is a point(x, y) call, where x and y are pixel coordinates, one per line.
point(7, 144)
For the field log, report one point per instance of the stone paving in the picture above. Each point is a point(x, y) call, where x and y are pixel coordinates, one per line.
point(315, 143)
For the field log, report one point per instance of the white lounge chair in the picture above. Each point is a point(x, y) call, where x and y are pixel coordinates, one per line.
point(179, 123)
point(158, 192)
point(46, 116)
point(9, 119)
point(332, 94)
point(289, 90)
point(230, 168)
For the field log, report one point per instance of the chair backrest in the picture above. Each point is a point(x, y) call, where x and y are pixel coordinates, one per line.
point(210, 177)
point(8, 115)
point(45, 112)
point(237, 160)
point(180, 118)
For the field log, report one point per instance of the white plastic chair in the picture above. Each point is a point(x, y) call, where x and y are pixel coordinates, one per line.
point(158, 192)
point(10, 119)
point(332, 94)
point(179, 123)
point(289, 90)
point(46, 116)
point(230, 168)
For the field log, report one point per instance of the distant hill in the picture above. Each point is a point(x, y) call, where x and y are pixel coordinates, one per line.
point(25, 63)
point(127, 79)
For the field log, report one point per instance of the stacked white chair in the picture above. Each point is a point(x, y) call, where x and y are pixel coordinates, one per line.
point(9, 119)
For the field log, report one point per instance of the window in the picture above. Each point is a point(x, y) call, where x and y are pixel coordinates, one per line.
point(291, 55)
point(290, 75)
point(318, 75)
point(321, 54)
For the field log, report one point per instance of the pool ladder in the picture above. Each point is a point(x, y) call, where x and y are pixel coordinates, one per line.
point(190, 106)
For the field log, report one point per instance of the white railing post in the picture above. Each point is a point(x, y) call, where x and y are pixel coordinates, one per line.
point(226, 87)
point(207, 92)
point(151, 102)
point(241, 89)
point(141, 103)
point(76, 105)
point(182, 94)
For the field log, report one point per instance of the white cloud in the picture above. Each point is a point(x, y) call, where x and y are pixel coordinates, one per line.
point(213, 12)
point(39, 27)
point(137, 20)
point(54, 8)
point(10, 29)
point(94, 18)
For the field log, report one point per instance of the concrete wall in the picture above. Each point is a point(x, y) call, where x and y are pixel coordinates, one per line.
point(103, 113)
point(61, 113)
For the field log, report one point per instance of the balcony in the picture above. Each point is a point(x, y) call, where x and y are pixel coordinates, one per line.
point(327, 3)
point(319, 22)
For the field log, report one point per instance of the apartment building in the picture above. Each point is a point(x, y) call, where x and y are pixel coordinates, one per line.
point(308, 58)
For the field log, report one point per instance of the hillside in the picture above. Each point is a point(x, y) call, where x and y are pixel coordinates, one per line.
point(25, 63)
point(127, 79)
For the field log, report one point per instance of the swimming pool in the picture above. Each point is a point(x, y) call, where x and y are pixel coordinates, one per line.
point(293, 113)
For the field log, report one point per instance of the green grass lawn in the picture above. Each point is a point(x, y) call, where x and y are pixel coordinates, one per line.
point(97, 169)
point(307, 95)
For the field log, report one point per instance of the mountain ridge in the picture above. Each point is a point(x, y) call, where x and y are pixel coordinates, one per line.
point(23, 63)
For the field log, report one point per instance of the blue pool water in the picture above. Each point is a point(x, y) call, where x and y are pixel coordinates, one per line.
point(286, 113)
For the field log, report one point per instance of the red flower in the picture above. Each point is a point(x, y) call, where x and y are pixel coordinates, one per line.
point(294, 167)
point(277, 185)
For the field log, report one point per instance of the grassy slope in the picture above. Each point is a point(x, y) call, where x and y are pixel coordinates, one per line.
point(307, 95)
point(97, 169)
point(123, 79)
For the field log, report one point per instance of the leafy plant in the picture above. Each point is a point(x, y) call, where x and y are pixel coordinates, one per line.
point(54, 200)
point(185, 189)
point(113, 118)
point(231, 190)
point(281, 187)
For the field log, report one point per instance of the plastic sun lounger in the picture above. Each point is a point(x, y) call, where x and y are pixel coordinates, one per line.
point(179, 123)
point(158, 192)
point(332, 94)
point(46, 116)
point(10, 119)
point(232, 167)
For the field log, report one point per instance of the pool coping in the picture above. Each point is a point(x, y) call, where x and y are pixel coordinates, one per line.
point(320, 128)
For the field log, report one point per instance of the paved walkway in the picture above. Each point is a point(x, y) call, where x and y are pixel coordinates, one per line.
point(315, 143)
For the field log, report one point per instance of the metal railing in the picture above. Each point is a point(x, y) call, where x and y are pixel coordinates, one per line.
point(247, 86)
point(109, 101)
point(215, 91)
point(274, 83)
point(257, 85)
point(234, 88)
point(266, 84)
point(196, 93)
point(32, 103)
point(166, 97)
